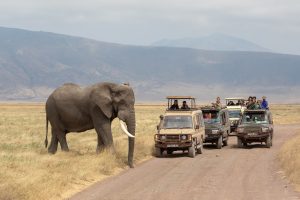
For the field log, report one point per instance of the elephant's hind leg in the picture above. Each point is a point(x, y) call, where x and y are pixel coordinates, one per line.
point(58, 136)
point(63, 141)
point(53, 145)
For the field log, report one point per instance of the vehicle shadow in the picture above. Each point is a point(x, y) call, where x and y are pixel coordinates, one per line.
point(210, 147)
point(250, 146)
point(175, 154)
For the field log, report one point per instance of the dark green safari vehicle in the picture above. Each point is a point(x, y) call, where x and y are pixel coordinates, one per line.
point(255, 126)
point(217, 126)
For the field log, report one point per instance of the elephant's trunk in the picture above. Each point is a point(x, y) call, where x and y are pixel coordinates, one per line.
point(131, 128)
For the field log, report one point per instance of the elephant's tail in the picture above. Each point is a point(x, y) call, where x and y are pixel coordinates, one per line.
point(46, 140)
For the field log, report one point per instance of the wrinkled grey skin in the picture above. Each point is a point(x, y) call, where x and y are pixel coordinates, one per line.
point(71, 108)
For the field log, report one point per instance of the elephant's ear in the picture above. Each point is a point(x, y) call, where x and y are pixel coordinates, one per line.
point(103, 99)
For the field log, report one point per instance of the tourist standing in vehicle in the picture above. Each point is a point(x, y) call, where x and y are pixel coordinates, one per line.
point(218, 103)
point(256, 104)
point(250, 104)
point(264, 103)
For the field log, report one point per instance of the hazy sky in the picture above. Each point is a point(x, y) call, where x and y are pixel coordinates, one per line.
point(273, 24)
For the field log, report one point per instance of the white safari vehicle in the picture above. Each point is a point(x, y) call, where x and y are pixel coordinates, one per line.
point(181, 127)
point(235, 107)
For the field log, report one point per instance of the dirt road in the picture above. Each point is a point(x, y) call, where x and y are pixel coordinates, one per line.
point(229, 173)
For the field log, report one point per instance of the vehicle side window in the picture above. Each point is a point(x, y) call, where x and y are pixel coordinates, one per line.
point(270, 118)
point(200, 120)
point(195, 121)
point(223, 118)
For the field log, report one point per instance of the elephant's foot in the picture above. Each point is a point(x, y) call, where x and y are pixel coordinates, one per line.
point(109, 149)
point(130, 164)
point(65, 148)
point(52, 150)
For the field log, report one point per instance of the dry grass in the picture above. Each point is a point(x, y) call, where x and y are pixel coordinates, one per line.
point(289, 158)
point(286, 113)
point(29, 172)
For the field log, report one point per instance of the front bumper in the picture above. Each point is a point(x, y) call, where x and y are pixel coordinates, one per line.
point(173, 141)
point(173, 145)
point(212, 138)
point(253, 137)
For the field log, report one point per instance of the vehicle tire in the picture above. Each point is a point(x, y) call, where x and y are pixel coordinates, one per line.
point(192, 150)
point(225, 142)
point(220, 142)
point(200, 149)
point(269, 142)
point(169, 152)
point(239, 143)
point(158, 152)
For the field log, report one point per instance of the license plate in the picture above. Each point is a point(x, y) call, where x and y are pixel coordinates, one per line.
point(172, 145)
point(252, 134)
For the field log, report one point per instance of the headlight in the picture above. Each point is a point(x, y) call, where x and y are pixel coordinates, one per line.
point(183, 137)
point(156, 137)
point(214, 131)
point(240, 130)
point(163, 137)
point(264, 129)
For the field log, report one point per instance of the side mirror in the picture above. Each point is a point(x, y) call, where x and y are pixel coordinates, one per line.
point(197, 126)
point(157, 127)
point(161, 117)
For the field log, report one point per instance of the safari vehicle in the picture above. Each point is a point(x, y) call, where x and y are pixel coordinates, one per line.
point(180, 129)
point(217, 126)
point(236, 107)
point(234, 118)
point(255, 126)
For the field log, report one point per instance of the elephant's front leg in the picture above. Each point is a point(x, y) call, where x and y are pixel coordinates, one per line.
point(105, 139)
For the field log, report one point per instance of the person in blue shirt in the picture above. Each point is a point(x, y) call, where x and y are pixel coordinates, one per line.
point(264, 103)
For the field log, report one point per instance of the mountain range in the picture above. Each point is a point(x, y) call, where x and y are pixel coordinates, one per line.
point(32, 64)
point(216, 41)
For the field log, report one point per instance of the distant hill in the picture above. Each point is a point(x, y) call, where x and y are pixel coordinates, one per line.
point(32, 64)
point(217, 41)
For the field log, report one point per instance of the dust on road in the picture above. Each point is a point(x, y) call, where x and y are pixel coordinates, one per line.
point(230, 173)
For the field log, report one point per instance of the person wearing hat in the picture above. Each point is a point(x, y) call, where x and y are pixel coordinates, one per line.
point(264, 104)
point(218, 103)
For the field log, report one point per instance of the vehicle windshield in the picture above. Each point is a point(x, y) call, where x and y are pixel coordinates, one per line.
point(211, 117)
point(257, 118)
point(234, 113)
point(175, 122)
point(235, 102)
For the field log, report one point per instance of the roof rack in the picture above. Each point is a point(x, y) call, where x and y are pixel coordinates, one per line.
point(180, 97)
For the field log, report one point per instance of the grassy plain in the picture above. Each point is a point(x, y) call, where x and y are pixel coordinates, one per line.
point(289, 158)
point(29, 172)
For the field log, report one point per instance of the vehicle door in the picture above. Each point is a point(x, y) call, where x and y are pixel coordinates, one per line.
point(201, 125)
point(270, 118)
point(198, 127)
point(224, 122)
point(227, 121)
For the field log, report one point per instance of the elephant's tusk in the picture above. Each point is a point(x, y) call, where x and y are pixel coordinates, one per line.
point(124, 128)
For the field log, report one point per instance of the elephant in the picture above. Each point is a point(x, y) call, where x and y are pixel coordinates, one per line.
point(71, 108)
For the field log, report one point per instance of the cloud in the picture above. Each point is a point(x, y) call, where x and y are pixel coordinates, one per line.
point(267, 22)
